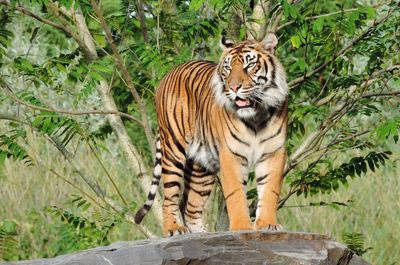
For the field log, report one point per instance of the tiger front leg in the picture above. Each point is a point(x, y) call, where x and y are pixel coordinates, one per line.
point(269, 176)
point(232, 187)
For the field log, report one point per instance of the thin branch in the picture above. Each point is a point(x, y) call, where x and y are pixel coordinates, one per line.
point(8, 117)
point(107, 173)
point(126, 75)
point(27, 12)
point(79, 36)
point(58, 175)
point(335, 142)
point(329, 14)
point(331, 119)
point(64, 27)
point(142, 18)
point(294, 83)
point(11, 94)
point(382, 94)
point(93, 186)
point(318, 16)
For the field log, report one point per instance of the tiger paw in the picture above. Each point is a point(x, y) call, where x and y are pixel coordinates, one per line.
point(175, 230)
point(270, 227)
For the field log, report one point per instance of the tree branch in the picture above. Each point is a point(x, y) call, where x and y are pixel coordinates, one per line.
point(96, 188)
point(141, 18)
point(134, 158)
point(11, 94)
point(79, 36)
point(125, 74)
point(27, 12)
point(331, 119)
point(382, 94)
point(294, 83)
point(259, 16)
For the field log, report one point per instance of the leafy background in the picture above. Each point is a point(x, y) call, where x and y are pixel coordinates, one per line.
point(77, 116)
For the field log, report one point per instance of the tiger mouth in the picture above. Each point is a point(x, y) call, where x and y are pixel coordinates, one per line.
point(242, 103)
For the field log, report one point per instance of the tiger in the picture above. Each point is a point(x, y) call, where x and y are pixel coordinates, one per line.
point(217, 122)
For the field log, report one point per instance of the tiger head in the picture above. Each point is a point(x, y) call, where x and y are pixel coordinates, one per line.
point(249, 78)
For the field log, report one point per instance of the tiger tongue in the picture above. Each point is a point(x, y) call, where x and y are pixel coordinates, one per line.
point(242, 102)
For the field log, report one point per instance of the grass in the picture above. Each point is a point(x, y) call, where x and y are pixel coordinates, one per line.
point(26, 191)
point(375, 212)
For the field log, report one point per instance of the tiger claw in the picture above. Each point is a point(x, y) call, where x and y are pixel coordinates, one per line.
point(179, 230)
point(272, 227)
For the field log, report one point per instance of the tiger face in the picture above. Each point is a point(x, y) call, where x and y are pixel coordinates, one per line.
point(249, 78)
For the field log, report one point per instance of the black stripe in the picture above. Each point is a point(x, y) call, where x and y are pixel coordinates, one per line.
point(265, 155)
point(170, 172)
point(155, 181)
point(274, 135)
point(175, 140)
point(172, 184)
point(151, 196)
point(193, 212)
point(236, 138)
point(262, 178)
point(236, 154)
point(230, 194)
point(273, 73)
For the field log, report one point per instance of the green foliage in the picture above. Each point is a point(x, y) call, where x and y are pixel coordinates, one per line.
point(9, 147)
point(5, 34)
point(390, 127)
point(343, 52)
point(313, 180)
point(355, 242)
point(8, 242)
point(77, 232)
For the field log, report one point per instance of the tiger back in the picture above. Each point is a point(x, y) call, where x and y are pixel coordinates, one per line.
point(221, 120)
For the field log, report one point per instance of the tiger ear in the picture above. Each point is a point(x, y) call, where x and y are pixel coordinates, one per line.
point(225, 44)
point(269, 42)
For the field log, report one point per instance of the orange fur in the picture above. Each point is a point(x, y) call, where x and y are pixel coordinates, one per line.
point(226, 118)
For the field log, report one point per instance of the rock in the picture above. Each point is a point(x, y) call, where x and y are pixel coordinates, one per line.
point(247, 247)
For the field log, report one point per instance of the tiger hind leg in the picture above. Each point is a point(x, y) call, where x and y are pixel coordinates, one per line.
point(198, 186)
point(172, 177)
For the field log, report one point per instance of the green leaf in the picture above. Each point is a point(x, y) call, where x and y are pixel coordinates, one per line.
point(96, 76)
point(10, 227)
point(295, 40)
point(195, 5)
point(318, 25)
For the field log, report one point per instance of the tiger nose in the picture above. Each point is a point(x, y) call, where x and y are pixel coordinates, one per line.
point(235, 87)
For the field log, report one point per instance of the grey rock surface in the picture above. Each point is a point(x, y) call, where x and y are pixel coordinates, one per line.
point(247, 247)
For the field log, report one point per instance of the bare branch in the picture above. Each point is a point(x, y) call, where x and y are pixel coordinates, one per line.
point(335, 142)
point(27, 12)
point(382, 94)
point(8, 117)
point(142, 18)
